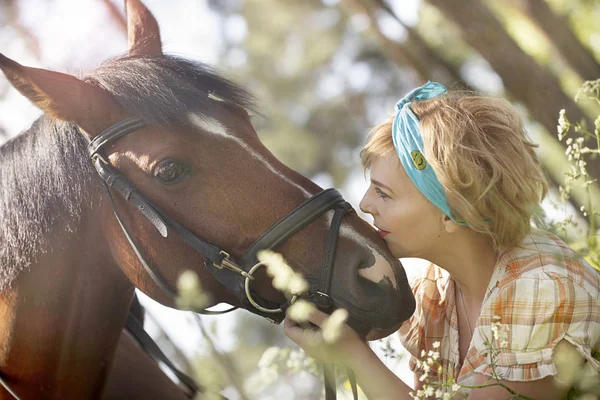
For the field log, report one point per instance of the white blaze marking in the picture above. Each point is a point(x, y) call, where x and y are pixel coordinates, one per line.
point(384, 269)
point(213, 126)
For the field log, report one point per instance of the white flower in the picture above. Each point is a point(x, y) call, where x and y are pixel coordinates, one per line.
point(284, 278)
point(500, 334)
point(268, 375)
point(456, 387)
point(268, 357)
point(429, 391)
point(189, 292)
point(332, 327)
point(297, 284)
point(436, 345)
point(188, 282)
point(301, 310)
point(563, 124)
point(295, 361)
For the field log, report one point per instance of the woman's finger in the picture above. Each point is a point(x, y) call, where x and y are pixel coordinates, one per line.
point(305, 338)
point(293, 331)
point(317, 317)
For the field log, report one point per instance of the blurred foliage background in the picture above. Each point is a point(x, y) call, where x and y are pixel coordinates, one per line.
point(324, 71)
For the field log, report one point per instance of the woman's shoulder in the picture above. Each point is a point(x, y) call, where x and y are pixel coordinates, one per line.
point(543, 256)
point(544, 293)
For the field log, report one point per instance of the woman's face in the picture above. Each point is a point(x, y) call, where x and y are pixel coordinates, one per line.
point(409, 223)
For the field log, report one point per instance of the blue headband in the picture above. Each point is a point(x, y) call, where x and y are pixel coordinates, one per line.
point(408, 142)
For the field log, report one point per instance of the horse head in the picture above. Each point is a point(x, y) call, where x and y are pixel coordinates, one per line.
point(192, 172)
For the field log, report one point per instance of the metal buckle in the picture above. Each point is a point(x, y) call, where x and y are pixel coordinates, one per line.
point(232, 266)
point(97, 156)
point(254, 303)
point(323, 300)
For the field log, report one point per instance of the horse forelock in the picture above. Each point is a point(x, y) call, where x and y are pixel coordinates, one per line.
point(165, 89)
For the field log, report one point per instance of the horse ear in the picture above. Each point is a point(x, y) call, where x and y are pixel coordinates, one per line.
point(142, 30)
point(63, 96)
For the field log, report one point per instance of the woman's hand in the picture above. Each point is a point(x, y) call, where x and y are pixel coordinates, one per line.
point(348, 349)
point(345, 349)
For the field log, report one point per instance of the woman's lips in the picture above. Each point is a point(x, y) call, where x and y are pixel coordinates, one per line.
point(382, 233)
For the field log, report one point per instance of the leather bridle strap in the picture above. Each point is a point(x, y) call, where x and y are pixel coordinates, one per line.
point(159, 219)
point(294, 221)
point(136, 329)
point(352, 380)
point(114, 132)
point(330, 383)
point(322, 297)
point(150, 270)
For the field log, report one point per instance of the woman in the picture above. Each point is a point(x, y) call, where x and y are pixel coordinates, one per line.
point(455, 181)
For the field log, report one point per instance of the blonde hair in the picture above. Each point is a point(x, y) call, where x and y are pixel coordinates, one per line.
point(482, 156)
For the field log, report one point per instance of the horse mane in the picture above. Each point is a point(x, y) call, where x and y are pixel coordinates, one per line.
point(46, 177)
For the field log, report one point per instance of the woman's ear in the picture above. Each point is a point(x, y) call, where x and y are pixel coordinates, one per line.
point(449, 225)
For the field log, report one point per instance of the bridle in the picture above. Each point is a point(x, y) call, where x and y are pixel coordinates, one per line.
point(219, 262)
point(236, 275)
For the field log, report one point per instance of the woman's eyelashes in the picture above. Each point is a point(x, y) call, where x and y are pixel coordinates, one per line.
point(381, 194)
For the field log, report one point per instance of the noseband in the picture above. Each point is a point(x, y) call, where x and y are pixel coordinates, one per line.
point(236, 275)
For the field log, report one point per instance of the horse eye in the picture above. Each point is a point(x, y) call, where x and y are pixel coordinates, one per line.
point(169, 171)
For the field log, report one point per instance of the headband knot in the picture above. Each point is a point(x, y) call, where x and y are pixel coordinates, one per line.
point(425, 92)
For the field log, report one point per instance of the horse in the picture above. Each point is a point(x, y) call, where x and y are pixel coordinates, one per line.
point(147, 167)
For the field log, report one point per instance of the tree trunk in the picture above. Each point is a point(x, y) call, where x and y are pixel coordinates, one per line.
point(564, 40)
point(413, 52)
point(525, 80)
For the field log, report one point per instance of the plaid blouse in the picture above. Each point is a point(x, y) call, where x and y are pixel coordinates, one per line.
point(540, 293)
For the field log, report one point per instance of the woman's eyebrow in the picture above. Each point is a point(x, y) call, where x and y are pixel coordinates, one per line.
point(377, 183)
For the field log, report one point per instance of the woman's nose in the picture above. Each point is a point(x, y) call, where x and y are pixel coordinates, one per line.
point(365, 204)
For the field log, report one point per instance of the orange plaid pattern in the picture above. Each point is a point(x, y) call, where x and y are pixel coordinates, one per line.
point(542, 291)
